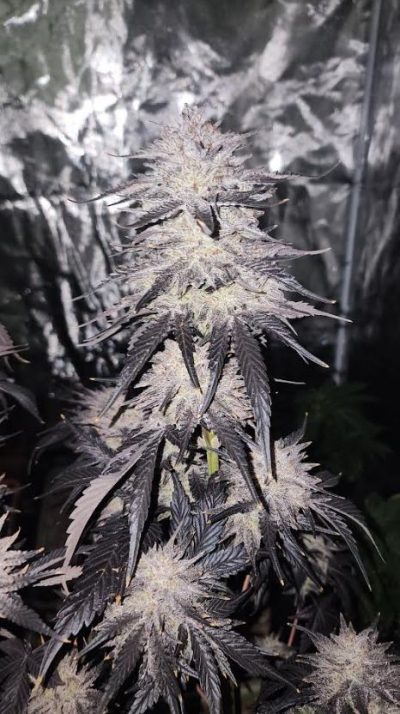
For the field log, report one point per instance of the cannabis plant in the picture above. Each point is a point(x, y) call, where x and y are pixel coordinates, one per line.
point(204, 273)
point(184, 510)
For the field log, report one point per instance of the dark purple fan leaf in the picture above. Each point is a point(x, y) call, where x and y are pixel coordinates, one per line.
point(226, 561)
point(13, 609)
point(140, 503)
point(181, 516)
point(159, 212)
point(207, 669)
point(255, 377)
point(21, 395)
point(159, 285)
point(124, 666)
point(230, 439)
point(184, 337)
point(102, 580)
point(15, 666)
point(246, 655)
point(217, 351)
point(202, 212)
point(287, 336)
point(100, 487)
point(144, 344)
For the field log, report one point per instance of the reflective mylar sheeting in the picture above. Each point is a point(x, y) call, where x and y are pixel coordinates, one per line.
point(85, 79)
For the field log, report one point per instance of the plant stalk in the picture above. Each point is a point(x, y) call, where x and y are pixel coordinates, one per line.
point(210, 440)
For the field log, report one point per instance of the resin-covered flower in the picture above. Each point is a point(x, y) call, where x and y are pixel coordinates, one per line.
point(176, 268)
point(193, 167)
point(71, 690)
point(206, 267)
point(353, 673)
point(176, 394)
point(293, 502)
point(174, 621)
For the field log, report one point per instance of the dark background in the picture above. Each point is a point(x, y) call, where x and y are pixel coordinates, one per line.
point(81, 80)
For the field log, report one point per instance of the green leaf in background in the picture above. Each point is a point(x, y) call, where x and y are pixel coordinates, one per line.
point(346, 440)
point(385, 575)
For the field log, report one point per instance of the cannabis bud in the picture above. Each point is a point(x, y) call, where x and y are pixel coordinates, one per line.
point(353, 673)
point(71, 690)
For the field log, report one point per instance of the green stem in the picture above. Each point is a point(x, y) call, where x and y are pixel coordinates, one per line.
point(212, 458)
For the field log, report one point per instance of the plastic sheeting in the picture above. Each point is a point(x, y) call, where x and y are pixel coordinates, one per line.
point(83, 79)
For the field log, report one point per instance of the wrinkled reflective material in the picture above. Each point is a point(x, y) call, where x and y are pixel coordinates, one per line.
point(88, 79)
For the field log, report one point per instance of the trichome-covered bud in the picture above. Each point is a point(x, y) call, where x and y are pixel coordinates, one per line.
point(172, 396)
point(199, 262)
point(71, 690)
point(294, 502)
point(353, 673)
point(174, 617)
